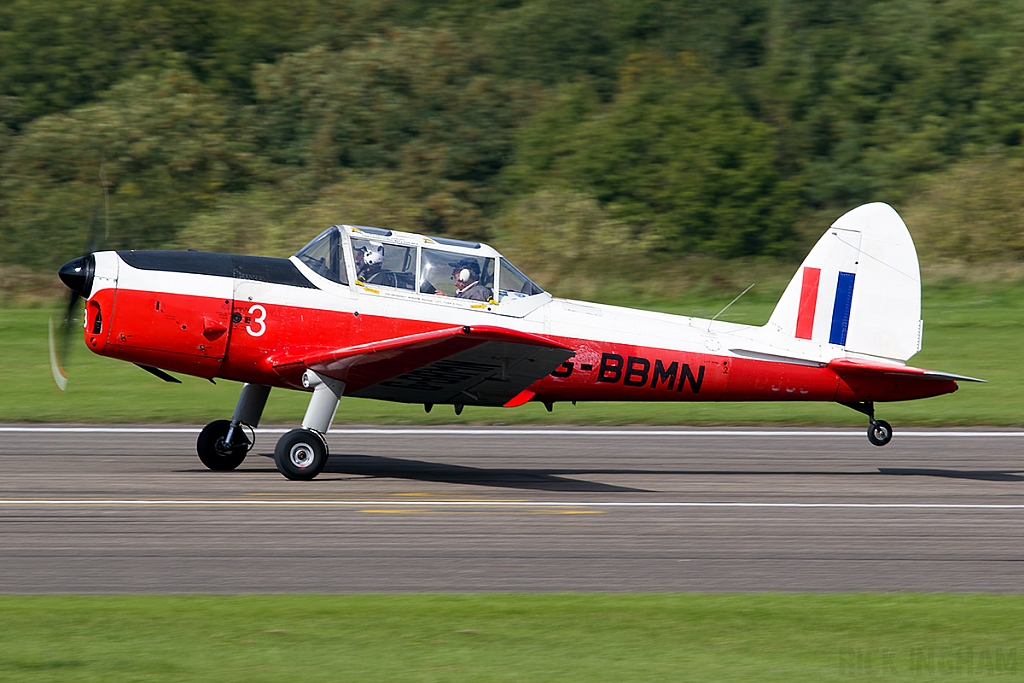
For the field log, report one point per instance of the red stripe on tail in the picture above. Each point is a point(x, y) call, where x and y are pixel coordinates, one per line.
point(808, 302)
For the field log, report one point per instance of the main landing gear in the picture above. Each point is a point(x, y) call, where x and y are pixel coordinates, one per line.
point(299, 454)
point(879, 431)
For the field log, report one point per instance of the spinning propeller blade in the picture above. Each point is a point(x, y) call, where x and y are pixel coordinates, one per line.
point(59, 376)
point(77, 275)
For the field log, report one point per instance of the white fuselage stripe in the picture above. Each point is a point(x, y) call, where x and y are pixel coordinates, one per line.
point(557, 317)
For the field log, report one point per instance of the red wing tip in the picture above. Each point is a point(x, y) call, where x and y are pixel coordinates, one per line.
point(524, 396)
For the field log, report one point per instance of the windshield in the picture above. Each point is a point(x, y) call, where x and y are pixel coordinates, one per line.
point(324, 257)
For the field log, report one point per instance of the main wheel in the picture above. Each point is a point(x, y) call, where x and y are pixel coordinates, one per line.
point(214, 450)
point(300, 454)
point(879, 432)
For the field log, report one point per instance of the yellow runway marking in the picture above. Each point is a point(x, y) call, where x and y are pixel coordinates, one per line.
point(481, 511)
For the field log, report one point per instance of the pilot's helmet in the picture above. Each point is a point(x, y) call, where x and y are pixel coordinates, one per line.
point(373, 255)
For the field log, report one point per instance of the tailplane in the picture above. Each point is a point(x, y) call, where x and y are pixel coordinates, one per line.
point(859, 288)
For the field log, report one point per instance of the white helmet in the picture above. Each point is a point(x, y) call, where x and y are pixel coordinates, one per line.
point(374, 254)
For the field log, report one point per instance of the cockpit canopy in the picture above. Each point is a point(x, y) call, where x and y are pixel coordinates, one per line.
point(407, 261)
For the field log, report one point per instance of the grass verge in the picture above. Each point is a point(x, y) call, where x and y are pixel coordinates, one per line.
point(970, 329)
point(549, 638)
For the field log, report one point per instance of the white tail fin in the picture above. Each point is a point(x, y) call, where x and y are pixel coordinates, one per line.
point(859, 288)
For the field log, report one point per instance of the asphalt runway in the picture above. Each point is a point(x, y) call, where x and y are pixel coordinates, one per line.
point(516, 510)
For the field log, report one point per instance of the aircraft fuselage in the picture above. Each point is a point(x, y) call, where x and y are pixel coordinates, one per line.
point(223, 326)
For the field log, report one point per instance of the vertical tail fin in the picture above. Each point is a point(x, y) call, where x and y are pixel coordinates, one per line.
point(859, 288)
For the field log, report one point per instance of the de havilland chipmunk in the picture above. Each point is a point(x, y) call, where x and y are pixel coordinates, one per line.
point(397, 316)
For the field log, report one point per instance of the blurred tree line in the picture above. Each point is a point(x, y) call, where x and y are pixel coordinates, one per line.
point(558, 129)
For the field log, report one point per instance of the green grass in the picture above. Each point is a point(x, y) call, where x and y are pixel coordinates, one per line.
point(547, 638)
point(973, 330)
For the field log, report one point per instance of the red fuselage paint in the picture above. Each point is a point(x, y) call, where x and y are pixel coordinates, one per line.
point(211, 337)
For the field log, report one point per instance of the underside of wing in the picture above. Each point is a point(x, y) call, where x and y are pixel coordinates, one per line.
point(481, 365)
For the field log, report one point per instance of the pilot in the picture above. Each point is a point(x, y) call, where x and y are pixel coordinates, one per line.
point(466, 274)
point(369, 260)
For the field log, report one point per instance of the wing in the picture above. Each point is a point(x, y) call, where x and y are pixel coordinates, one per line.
point(843, 366)
point(479, 365)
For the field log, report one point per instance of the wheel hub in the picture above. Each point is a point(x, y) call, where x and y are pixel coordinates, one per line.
point(223, 448)
point(301, 455)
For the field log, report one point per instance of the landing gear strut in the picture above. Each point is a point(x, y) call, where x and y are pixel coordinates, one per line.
point(879, 431)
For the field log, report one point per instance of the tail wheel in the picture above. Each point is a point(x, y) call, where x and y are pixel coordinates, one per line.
point(301, 454)
point(879, 432)
point(214, 450)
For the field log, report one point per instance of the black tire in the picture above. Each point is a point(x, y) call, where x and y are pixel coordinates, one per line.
point(300, 454)
point(879, 432)
point(213, 451)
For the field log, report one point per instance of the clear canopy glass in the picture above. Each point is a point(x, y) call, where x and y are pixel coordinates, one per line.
point(513, 284)
point(433, 270)
point(454, 274)
point(384, 265)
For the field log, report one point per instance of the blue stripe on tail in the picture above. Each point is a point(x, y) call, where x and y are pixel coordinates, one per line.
point(841, 309)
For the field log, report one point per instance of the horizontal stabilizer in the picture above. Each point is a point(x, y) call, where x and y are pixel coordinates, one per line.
point(777, 358)
point(843, 366)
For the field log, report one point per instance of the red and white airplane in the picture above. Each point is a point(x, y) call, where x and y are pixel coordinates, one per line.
point(397, 316)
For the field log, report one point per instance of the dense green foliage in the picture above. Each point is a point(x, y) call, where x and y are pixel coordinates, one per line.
point(722, 128)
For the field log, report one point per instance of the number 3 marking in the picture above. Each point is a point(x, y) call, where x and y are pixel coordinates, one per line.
point(262, 315)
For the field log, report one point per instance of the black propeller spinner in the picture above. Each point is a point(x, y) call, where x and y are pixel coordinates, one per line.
point(77, 274)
